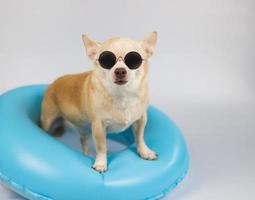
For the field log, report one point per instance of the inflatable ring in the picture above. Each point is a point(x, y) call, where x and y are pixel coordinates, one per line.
point(37, 166)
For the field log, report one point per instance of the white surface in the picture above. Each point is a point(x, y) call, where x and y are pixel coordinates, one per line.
point(202, 74)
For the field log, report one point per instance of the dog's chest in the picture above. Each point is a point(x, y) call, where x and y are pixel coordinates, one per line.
point(122, 113)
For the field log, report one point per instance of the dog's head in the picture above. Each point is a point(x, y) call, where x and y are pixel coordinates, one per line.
point(121, 62)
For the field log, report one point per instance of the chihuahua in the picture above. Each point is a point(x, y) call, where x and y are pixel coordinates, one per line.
point(110, 98)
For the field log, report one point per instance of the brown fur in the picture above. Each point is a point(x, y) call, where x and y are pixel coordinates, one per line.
point(91, 98)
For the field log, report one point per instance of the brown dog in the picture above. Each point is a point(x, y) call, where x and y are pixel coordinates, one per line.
point(111, 97)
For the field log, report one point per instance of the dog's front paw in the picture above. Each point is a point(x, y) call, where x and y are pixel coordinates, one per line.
point(100, 166)
point(148, 154)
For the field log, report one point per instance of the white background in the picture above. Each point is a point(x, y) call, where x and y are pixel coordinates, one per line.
point(202, 74)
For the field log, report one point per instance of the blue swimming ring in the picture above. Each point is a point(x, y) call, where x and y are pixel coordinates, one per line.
point(37, 166)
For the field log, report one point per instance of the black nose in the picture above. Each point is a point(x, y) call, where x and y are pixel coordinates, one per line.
point(120, 73)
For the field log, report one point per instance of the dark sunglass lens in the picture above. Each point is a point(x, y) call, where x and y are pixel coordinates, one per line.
point(133, 60)
point(107, 59)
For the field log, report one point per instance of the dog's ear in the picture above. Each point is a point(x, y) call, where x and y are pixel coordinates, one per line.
point(91, 46)
point(149, 44)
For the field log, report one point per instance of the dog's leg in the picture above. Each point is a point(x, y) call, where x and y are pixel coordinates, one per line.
point(84, 139)
point(51, 120)
point(99, 137)
point(138, 129)
point(47, 119)
point(52, 123)
point(84, 144)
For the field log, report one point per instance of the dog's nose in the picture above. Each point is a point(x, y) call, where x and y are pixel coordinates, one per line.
point(120, 72)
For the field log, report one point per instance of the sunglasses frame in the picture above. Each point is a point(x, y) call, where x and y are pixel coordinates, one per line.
point(117, 59)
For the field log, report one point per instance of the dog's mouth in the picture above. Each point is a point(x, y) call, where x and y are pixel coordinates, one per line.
point(120, 81)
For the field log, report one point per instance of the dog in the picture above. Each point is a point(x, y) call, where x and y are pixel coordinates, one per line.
point(111, 97)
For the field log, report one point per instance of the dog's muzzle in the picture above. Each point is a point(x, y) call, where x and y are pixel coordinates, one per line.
point(120, 76)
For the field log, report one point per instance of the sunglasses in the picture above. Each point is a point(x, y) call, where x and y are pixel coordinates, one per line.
point(107, 60)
